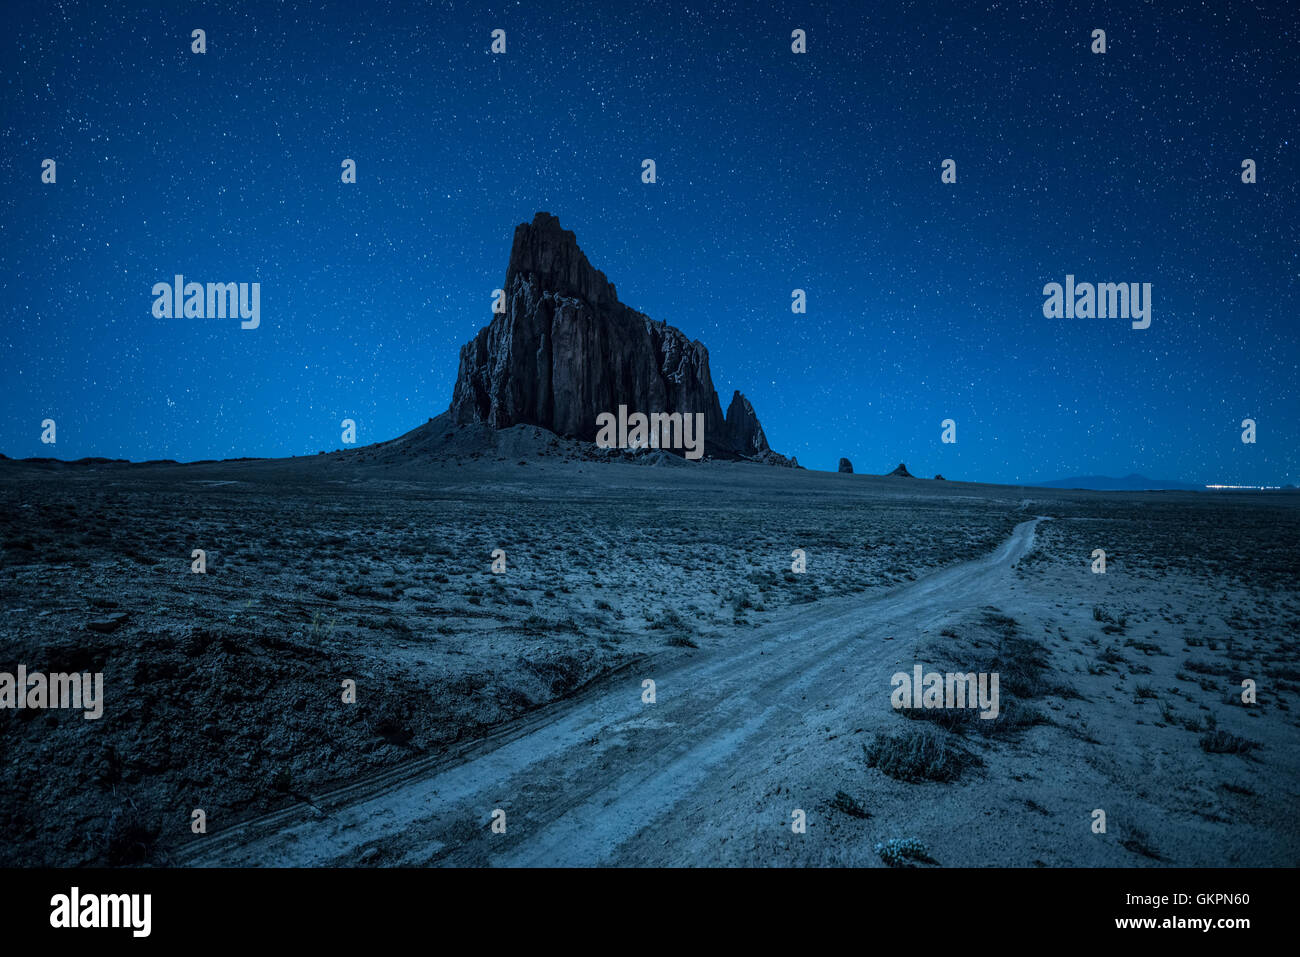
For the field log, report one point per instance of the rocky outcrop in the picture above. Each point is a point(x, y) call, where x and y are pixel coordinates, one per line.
point(901, 471)
point(744, 433)
point(940, 478)
point(846, 466)
point(566, 350)
point(776, 458)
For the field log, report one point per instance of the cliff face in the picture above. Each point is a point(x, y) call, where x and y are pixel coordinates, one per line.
point(565, 350)
point(744, 433)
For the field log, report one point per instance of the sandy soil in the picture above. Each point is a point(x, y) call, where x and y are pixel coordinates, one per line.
point(223, 689)
point(523, 690)
point(744, 734)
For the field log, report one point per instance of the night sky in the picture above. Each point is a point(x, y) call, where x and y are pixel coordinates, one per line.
point(775, 171)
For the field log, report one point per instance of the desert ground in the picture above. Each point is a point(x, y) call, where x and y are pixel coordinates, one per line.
point(522, 690)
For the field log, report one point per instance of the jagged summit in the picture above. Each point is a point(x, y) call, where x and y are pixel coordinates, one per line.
point(744, 431)
point(902, 471)
point(566, 350)
point(549, 253)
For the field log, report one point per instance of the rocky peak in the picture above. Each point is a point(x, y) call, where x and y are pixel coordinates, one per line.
point(549, 254)
point(566, 350)
point(743, 429)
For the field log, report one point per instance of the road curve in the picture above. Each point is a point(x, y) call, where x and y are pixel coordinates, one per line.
point(606, 779)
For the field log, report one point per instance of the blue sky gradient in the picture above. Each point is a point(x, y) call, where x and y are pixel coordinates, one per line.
point(775, 171)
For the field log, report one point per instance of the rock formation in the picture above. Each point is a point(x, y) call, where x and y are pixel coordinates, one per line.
point(744, 433)
point(901, 471)
point(846, 466)
point(565, 350)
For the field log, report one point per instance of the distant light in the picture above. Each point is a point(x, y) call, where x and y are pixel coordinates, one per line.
point(1260, 488)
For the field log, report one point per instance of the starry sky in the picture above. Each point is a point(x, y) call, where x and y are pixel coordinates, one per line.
point(775, 171)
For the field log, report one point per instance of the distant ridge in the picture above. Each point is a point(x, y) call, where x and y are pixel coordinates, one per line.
point(1129, 483)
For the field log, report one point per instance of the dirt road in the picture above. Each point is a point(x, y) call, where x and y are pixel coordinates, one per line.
point(706, 774)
